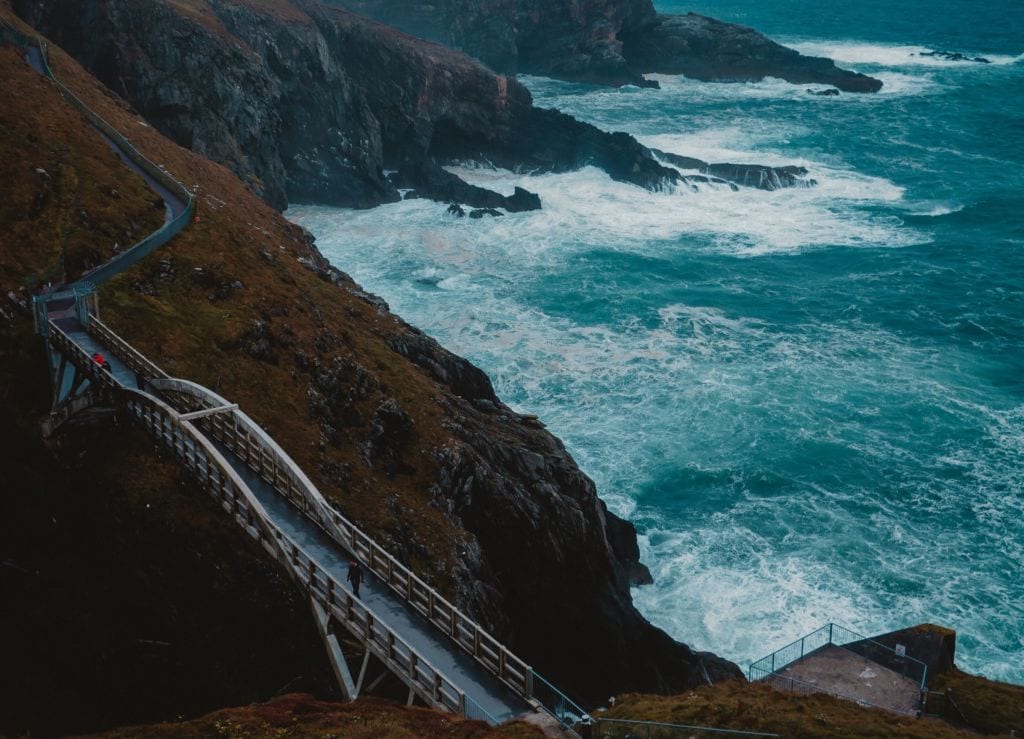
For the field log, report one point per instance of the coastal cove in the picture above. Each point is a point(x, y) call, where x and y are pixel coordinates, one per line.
point(809, 401)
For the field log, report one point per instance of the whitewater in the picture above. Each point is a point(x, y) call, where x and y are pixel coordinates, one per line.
point(809, 401)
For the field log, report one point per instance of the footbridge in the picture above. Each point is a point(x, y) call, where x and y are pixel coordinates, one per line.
point(445, 659)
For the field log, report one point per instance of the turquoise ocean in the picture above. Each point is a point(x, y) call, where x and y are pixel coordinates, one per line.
point(809, 401)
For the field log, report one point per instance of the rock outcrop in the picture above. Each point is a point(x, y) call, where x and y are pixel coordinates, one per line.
point(707, 49)
point(609, 42)
point(759, 176)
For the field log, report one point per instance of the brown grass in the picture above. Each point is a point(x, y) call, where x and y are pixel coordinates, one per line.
point(754, 707)
point(301, 715)
point(988, 706)
point(69, 203)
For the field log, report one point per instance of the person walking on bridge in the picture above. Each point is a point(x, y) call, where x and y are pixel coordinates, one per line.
point(355, 575)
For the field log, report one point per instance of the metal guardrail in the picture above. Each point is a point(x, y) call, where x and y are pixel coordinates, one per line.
point(557, 703)
point(608, 728)
point(767, 668)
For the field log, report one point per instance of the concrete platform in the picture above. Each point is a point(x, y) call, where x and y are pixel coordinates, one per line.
point(840, 672)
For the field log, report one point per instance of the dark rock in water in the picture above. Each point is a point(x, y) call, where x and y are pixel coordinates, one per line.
point(760, 176)
point(693, 180)
point(481, 212)
point(456, 210)
point(955, 56)
point(551, 141)
point(427, 179)
point(830, 92)
point(707, 49)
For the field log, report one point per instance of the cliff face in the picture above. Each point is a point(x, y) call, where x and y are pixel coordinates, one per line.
point(308, 103)
point(568, 40)
point(609, 42)
point(404, 437)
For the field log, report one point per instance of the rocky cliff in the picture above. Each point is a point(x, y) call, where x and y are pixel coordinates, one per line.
point(313, 104)
point(610, 42)
point(404, 437)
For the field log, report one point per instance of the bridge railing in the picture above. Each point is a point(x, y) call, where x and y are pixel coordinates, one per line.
point(258, 450)
point(132, 357)
point(98, 377)
point(199, 455)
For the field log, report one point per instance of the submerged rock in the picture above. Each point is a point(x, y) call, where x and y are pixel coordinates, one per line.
point(759, 176)
point(427, 179)
point(830, 92)
point(955, 56)
point(481, 212)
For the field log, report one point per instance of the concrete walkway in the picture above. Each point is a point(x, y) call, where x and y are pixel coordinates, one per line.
point(840, 672)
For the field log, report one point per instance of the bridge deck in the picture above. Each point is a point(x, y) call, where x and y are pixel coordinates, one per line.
point(424, 637)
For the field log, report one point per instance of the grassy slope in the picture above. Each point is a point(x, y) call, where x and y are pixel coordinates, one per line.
point(741, 706)
point(68, 198)
point(301, 715)
point(988, 706)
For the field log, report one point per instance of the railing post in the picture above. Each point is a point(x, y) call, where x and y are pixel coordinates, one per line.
point(830, 632)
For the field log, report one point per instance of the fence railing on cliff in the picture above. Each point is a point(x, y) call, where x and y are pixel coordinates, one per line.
point(240, 433)
point(766, 668)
